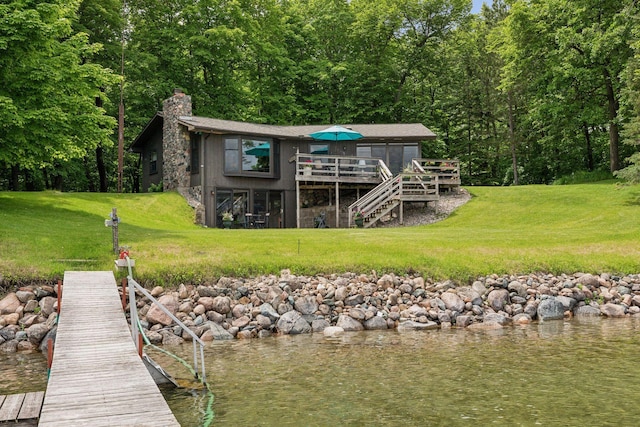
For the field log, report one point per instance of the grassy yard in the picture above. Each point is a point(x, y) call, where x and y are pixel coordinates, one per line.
point(586, 227)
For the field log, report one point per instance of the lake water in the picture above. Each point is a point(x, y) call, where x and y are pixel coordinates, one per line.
point(568, 373)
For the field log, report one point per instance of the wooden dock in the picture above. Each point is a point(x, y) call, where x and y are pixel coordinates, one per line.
point(97, 378)
point(20, 409)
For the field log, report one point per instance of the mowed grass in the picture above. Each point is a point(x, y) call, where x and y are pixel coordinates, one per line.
point(517, 230)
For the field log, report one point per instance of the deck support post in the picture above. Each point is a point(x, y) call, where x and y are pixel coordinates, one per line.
point(337, 204)
point(297, 204)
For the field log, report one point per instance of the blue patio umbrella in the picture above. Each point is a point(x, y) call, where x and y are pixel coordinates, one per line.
point(261, 150)
point(336, 133)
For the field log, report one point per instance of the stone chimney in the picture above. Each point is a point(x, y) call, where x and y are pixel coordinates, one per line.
point(175, 142)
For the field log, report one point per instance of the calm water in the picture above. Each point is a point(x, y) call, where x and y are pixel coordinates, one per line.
point(573, 373)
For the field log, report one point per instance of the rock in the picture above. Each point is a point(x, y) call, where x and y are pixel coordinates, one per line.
point(589, 280)
point(47, 305)
point(333, 331)
point(9, 304)
point(154, 337)
point(11, 319)
point(30, 306)
point(498, 298)
point(522, 319)
point(319, 325)
point(550, 309)
point(24, 296)
point(518, 287)
point(241, 322)
point(612, 310)
point(26, 346)
point(357, 313)
point(349, 324)
point(586, 311)
point(463, 321)
point(567, 302)
point(375, 323)
point(169, 338)
point(496, 318)
point(341, 293)
point(221, 304)
point(156, 315)
point(306, 305)
point(37, 332)
point(292, 323)
point(267, 310)
point(206, 302)
point(157, 291)
point(238, 310)
point(452, 301)
point(410, 325)
point(51, 335)
point(216, 331)
point(9, 346)
point(491, 326)
point(183, 293)
point(263, 321)
point(186, 307)
point(470, 295)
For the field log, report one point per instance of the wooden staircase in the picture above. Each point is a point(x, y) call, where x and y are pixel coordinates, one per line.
point(392, 192)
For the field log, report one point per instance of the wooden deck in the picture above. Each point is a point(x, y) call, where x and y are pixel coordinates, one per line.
point(20, 409)
point(97, 378)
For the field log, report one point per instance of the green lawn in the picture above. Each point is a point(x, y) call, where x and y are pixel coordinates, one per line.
point(587, 227)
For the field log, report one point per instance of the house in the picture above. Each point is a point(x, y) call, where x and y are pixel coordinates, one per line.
point(278, 176)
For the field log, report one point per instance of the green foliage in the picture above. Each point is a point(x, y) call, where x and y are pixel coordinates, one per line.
point(156, 188)
point(524, 92)
point(49, 86)
point(581, 177)
point(498, 231)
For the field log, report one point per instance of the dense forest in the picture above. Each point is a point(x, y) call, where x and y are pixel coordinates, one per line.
point(526, 91)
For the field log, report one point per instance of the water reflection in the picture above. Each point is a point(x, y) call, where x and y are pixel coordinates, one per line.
point(573, 373)
point(551, 373)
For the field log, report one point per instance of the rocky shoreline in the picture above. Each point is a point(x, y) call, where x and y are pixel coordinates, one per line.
point(236, 308)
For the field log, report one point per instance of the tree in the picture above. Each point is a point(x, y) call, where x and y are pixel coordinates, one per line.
point(47, 100)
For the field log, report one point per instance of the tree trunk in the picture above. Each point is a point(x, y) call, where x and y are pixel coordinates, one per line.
point(614, 134)
point(587, 138)
point(15, 178)
point(512, 140)
point(102, 173)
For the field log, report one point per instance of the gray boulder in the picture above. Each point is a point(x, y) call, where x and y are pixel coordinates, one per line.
point(550, 309)
point(292, 323)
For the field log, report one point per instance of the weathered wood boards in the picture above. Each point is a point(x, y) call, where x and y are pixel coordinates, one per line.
point(97, 377)
point(18, 407)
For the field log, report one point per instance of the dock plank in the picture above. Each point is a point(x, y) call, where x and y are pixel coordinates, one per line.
point(11, 407)
point(97, 377)
point(31, 405)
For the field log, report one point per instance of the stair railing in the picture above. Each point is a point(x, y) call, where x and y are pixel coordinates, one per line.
point(198, 364)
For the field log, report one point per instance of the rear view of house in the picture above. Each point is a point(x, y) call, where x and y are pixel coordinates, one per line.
point(279, 176)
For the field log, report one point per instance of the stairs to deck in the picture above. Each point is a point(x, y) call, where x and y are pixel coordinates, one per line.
point(392, 192)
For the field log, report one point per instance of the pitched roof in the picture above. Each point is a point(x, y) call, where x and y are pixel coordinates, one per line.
point(368, 131)
point(398, 131)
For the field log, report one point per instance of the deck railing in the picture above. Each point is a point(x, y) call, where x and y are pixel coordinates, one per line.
point(322, 167)
point(447, 170)
point(403, 187)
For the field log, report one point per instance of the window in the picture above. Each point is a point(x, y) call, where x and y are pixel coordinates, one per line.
point(256, 156)
point(153, 162)
point(250, 157)
point(195, 154)
point(231, 155)
point(395, 155)
point(319, 148)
